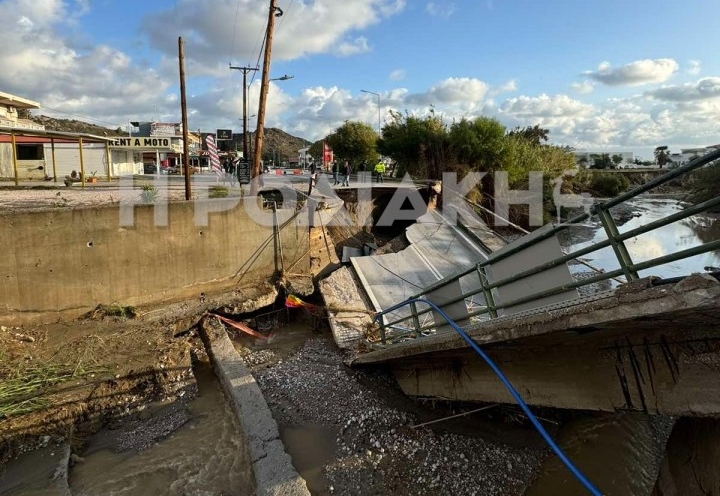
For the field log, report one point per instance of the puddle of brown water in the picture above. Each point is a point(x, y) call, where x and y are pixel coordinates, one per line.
point(206, 456)
point(311, 448)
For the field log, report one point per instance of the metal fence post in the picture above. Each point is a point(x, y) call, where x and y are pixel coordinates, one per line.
point(619, 248)
point(489, 300)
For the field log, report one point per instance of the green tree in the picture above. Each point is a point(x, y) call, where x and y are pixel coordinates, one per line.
point(535, 134)
point(316, 150)
point(479, 143)
point(662, 155)
point(356, 142)
point(601, 161)
point(617, 160)
point(418, 145)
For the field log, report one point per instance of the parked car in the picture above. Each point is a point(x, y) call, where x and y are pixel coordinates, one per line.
point(149, 168)
point(177, 169)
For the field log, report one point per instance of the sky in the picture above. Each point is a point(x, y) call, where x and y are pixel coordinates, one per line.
point(601, 75)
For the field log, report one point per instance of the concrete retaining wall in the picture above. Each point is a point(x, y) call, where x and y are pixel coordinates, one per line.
point(62, 263)
point(272, 466)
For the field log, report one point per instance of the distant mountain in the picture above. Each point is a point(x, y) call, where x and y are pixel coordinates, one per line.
point(277, 143)
point(75, 126)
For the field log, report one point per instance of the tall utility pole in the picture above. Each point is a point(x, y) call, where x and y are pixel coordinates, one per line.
point(275, 11)
point(183, 106)
point(245, 71)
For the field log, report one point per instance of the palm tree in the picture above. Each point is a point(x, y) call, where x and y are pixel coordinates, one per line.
point(662, 155)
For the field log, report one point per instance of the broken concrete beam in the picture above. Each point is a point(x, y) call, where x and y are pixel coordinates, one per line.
point(272, 466)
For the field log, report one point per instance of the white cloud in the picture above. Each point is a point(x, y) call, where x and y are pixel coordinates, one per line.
point(704, 89)
point(546, 106)
point(306, 28)
point(635, 73)
point(693, 67)
point(358, 45)
point(452, 91)
point(437, 9)
point(509, 86)
point(397, 75)
point(583, 88)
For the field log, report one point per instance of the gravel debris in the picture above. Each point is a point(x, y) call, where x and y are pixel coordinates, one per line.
point(377, 450)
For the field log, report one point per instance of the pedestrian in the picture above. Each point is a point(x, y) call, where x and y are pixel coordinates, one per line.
point(232, 171)
point(379, 171)
point(335, 173)
point(346, 172)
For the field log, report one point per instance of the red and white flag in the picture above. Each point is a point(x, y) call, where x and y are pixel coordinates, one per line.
point(213, 155)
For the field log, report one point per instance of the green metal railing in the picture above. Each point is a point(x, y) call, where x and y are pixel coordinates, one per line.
point(418, 323)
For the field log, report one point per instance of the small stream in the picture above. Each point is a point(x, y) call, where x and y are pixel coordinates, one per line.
point(206, 456)
point(680, 235)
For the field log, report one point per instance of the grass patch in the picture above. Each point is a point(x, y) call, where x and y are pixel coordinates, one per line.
point(114, 310)
point(27, 389)
point(218, 192)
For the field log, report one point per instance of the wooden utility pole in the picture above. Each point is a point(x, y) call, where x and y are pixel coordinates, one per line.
point(259, 134)
point(183, 107)
point(245, 71)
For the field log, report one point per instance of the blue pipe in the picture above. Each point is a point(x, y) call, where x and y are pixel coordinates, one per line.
point(538, 426)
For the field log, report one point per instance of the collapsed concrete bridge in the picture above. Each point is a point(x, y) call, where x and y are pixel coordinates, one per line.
point(646, 345)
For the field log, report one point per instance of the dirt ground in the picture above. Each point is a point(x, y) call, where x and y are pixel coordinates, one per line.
point(65, 380)
point(354, 432)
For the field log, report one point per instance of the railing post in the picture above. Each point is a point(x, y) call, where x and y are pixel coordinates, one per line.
point(383, 338)
point(619, 248)
point(416, 320)
point(489, 300)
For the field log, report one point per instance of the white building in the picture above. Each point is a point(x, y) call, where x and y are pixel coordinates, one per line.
point(587, 158)
point(688, 154)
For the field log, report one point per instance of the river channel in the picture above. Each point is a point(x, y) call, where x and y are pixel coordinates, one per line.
point(680, 235)
point(206, 456)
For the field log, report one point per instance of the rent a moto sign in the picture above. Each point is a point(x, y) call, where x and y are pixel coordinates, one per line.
point(141, 143)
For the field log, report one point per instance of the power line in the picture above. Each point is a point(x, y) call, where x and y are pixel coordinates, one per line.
point(232, 46)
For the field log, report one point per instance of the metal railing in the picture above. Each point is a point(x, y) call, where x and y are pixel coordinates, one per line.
point(394, 328)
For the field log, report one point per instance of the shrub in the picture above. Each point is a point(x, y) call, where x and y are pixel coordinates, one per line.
point(217, 192)
point(608, 184)
point(705, 185)
point(149, 193)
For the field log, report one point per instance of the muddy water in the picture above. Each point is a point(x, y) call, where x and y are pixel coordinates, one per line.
point(619, 453)
point(681, 235)
point(206, 456)
point(311, 448)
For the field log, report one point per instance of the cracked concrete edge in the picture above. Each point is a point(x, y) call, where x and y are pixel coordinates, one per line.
point(272, 466)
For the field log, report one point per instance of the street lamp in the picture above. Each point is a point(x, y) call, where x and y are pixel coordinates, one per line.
point(378, 105)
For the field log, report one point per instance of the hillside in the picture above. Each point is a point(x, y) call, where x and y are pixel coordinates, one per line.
point(75, 126)
point(283, 145)
point(276, 142)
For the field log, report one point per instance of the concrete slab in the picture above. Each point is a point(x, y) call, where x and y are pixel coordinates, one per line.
point(348, 313)
point(438, 250)
point(542, 252)
point(272, 466)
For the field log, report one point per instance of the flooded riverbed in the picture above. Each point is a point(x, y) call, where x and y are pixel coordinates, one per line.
point(681, 235)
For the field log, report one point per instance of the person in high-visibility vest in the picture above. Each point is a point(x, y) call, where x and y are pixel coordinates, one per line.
point(379, 171)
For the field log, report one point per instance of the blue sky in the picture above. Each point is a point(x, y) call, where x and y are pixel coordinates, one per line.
point(601, 75)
